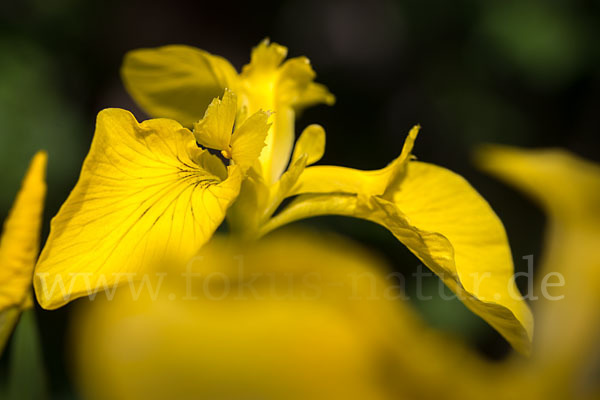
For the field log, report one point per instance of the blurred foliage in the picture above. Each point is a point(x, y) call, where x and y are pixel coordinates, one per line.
point(514, 72)
point(543, 41)
point(26, 379)
point(35, 115)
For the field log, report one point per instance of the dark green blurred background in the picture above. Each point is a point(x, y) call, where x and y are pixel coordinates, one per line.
point(515, 72)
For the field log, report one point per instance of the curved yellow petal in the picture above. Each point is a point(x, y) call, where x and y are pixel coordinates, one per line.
point(19, 246)
point(472, 240)
point(214, 130)
point(177, 81)
point(309, 149)
point(440, 218)
point(315, 93)
point(146, 191)
point(332, 179)
point(312, 143)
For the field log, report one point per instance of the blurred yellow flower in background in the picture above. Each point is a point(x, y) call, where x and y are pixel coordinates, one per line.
point(295, 316)
point(566, 353)
point(19, 247)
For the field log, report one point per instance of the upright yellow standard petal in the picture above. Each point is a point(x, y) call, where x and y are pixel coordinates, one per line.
point(265, 58)
point(19, 246)
point(177, 81)
point(146, 191)
point(285, 88)
point(439, 217)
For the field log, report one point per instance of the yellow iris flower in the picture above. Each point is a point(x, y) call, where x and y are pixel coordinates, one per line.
point(19, 247)
point(154, 189)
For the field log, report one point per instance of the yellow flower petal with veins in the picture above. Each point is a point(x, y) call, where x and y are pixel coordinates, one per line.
point(19, 246)
point(146, 191)
point(439, 217)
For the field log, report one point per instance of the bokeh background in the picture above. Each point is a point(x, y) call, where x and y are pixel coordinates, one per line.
point(520, 72)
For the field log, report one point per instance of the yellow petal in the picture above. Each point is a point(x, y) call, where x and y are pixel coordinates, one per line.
point(296, 87)
point(146, 191)
point(20, 245)
point(568, 188)
point(248, 140)
point(315, 93)
point(279, 143)
point(215, 129)
point(284, 89)
point(470, 238)
point(440, 218)
point(330, 179)
point(259, 79)
point(312, 143)
point(20, 241)
point(177, 81)
point(265, 58)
